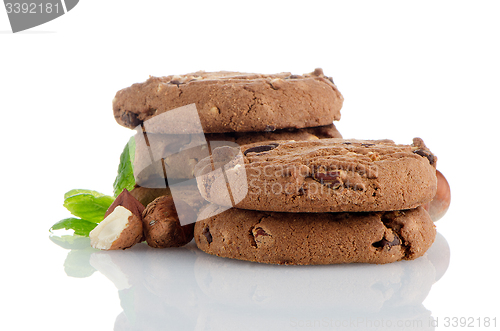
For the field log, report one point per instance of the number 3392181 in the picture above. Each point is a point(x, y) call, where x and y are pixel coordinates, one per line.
point(32, 8)
point(470, 322)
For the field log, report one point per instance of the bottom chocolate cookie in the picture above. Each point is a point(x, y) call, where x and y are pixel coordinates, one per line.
point(310, 238)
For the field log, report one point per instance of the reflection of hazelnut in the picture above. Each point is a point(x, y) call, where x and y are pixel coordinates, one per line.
point(122, 224)
point(441, 201)
point(161, 223)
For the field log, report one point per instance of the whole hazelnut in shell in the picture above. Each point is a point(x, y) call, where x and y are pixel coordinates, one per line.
point(146, 195)
point(439, 205)
point(161, 223)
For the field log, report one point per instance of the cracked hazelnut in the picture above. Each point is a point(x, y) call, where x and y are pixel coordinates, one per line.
point(121, 227)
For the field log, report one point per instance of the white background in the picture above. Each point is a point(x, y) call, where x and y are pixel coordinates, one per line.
point(421, 68)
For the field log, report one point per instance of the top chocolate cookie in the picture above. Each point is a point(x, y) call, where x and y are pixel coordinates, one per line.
point(233, 101)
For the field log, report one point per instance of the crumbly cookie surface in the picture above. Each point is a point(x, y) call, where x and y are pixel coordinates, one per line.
point(233, 101)
point(326, 175)
point(323, 238)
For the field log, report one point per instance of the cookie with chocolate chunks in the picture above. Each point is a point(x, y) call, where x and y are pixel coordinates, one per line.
point(182, 153)
point(234, 101)
point(322, 238)
point(326, 175)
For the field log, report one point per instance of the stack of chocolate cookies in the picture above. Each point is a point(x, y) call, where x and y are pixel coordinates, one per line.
point(285, 188)
point(322, 202)
point(214, 109)
point(235, 102)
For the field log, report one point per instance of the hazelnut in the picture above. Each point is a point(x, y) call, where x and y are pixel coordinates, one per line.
point(276, 83)
point(161, 223)
point(145, 195)
point(121, 227)
point(439, 205)
point(214, 110)
point(262, 237)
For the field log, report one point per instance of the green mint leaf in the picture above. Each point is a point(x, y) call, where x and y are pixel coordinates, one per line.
point(81, 227)
point(78, 191)
point(125, 177)
point(87, 204)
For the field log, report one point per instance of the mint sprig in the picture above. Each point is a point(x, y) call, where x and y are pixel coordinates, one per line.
point(90, 206)
point(87, 204)
point(125, 177)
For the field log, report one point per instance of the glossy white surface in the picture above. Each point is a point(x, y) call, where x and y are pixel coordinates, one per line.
point(427, 69)
point(190, 290)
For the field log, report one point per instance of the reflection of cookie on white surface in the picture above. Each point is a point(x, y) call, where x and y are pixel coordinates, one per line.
point(332, 297)
point(361, 287)
point(222, 317)
point(350, 297)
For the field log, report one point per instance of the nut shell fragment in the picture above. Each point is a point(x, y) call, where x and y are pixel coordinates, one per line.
point(127, 200)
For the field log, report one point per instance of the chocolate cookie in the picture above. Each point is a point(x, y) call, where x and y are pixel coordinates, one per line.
point(326, 175)
point(233, 101)
point(304, 134)
point(180, 153)
point(320, 238)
